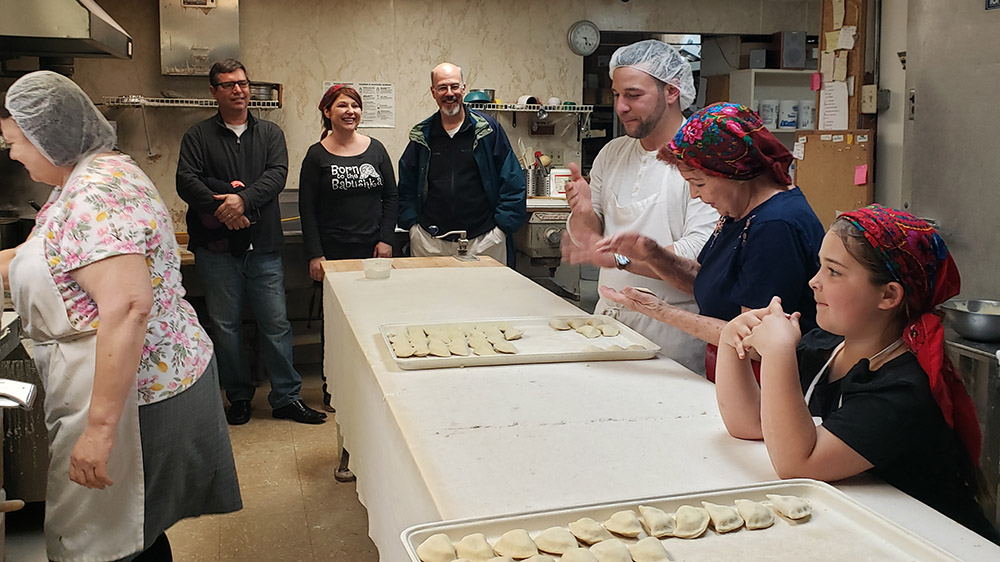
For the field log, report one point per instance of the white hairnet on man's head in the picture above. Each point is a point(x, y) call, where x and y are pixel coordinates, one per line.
point(58, 118)
point(661, 61)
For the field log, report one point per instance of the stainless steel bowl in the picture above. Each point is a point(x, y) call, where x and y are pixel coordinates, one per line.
point(974, 319)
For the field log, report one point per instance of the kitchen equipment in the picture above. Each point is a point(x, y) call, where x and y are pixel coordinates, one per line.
point(558, 178)
point(9, 232)
point(839, 528)
point(526, 100)
point(540, 237)
point(377, 268)
point(977, 320)
point(61, 28)
point(537, 182)
point(540, 343)
point(261, 91)
point(554, 101)
point(490, 93)
point(475, 97)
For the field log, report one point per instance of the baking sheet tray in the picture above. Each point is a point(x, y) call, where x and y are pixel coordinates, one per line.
point(839, 528)
point(539, 344)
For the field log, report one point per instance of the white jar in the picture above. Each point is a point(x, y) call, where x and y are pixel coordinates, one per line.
point(769, 113)
point(788, 115)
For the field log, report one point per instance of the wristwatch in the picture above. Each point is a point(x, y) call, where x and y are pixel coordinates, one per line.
point(621, 262)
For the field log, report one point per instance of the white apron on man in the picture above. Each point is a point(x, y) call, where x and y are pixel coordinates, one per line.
point(632, 191)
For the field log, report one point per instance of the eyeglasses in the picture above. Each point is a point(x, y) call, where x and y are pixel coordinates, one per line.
point(243, 84)
point(444, 88)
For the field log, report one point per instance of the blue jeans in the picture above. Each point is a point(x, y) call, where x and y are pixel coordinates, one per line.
point(258, 278)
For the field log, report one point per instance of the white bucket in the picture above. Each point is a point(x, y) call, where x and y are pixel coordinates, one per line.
point(788, 115)
point(769, 113)
point(807, 114)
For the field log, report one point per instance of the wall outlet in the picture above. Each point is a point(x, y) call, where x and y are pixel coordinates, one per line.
point(558, 158)
point(869, 95)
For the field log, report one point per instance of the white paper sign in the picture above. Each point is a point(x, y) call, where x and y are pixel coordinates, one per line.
point(799, 151)
point(826, 65)
point(833, 106)
point(846, 38)
point(379, 101)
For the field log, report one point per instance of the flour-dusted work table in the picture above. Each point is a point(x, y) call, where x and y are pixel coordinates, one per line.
point(442, 444)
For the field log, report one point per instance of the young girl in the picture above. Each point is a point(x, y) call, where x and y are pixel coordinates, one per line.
point(890, 400)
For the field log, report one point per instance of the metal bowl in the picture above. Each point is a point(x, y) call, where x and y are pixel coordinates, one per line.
point(974, 319)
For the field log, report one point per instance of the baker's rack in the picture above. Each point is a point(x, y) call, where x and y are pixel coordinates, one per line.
point(142, 101)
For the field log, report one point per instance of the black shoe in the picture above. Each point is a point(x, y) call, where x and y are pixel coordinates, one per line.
point(298, 411)
point(239, 412)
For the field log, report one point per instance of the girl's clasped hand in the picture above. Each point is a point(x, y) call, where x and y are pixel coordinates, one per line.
point(763, 331)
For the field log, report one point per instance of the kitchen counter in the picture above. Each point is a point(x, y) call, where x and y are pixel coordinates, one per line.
point(454, 443)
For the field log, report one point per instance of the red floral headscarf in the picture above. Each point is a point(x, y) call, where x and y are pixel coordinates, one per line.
point(730, 141)
point(918, 259)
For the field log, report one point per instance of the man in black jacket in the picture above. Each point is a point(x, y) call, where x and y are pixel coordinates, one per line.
point(230, 171)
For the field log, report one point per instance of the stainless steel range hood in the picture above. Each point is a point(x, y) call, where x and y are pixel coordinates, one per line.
point(61, 28)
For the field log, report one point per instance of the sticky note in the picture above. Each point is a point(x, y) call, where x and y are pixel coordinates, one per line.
point(817, 81)
point(861, 174)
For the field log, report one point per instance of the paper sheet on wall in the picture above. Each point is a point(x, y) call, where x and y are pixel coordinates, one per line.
point(838, 14)
point(846, 38)
point(826, 65)
point(799, 150)
point(379, 101)
point(832, 38)
point(833, 106)
point(850, 86)
point(840, 67)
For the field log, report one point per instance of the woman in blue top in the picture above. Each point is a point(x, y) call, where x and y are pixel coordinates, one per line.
point(765, 244)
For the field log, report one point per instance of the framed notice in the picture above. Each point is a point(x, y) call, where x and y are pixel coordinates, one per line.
point(379, 101)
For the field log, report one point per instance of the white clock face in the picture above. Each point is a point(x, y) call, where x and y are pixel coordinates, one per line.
point(584, 38)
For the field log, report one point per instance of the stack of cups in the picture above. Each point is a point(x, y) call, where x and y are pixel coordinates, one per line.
point(769, 113)
point(788, 115)
point(807, 114)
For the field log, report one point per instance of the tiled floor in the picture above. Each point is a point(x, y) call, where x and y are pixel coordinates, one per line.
point(293, 509)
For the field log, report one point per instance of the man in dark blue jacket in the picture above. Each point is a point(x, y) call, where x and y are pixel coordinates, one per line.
point(459, 173)
point(230, 171)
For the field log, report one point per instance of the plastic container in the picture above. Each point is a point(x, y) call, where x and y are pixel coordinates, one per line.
point(769, 113)
point(377, 268)
point(807, 114)
point(788, 115)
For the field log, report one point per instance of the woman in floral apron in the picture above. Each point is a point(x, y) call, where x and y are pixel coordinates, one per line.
point(137, 437)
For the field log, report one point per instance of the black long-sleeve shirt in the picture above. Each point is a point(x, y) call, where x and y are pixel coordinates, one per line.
point(258, 158)
point(348, 199)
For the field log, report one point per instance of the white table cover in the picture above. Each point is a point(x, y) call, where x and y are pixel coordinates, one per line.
point(453, 443)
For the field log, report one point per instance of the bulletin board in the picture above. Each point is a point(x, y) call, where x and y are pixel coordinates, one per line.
point(835, 171)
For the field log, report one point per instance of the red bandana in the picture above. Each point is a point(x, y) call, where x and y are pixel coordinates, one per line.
point(918, 260)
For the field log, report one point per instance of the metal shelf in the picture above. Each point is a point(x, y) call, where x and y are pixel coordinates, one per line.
point(141, 101)
point(533, 108)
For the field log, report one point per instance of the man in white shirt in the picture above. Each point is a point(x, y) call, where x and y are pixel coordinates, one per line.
point(631, 191)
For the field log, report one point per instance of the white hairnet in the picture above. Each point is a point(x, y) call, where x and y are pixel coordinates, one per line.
point(661, 61)
point(58, 118)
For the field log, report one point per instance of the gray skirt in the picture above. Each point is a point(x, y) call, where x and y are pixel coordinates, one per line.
point(187, 458)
